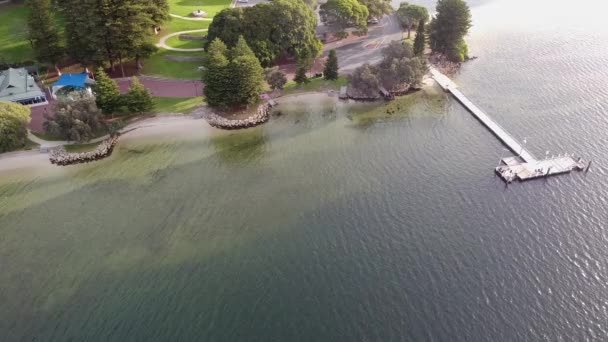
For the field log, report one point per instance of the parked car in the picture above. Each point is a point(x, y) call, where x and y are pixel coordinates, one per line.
point(243, 1)
point(373, 21)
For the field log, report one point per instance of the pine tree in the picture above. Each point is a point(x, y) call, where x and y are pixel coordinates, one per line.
point(138, 99)
point(331, 66)
point(107, 94)
point(43, 32)
point(420, 40)
point(216, 77)
point(246, 73)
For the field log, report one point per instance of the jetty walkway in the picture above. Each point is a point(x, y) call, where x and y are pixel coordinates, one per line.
point(524, 166)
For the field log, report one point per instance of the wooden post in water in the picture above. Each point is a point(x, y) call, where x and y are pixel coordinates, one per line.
point(588, 166)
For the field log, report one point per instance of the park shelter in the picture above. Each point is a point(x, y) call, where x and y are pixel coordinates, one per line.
point(68, 83)
point(17, 85)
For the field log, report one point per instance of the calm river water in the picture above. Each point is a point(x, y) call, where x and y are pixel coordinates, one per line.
point(326, 226)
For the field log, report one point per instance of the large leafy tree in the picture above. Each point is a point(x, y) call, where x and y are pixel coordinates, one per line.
point(13, 125)
point(410, 15)
point(272, 30)
point(377, 8)
point(398, 71)
point(43, 33)
point(107, 94)
point(449, 27)
point(399, 68)
point(76, 119)
point(331, 66)
point(364, 81)
point(342, 14)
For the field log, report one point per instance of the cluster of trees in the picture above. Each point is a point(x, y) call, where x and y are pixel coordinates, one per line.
point(399, 70)
point(96, 31)
point(448, 29)
point(77, 119)
point(282, 28)
point(81, 117)
point(109, 99)
point(342, 14)
point(13, 125)
point(232, 76)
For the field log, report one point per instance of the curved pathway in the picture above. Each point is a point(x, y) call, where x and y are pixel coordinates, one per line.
point(163, 41)
point(190, 18)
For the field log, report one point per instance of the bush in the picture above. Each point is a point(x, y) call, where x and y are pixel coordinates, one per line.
point(138, 99)
point(13, 125)
point(275, 78)
point(75, 120)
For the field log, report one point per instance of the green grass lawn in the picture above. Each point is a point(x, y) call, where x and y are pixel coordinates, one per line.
point(14, 46)
point(178, 25)
point(315, 84)
point(184, 44)
point(185, 7)
point(177, 104)
point(46, 136)
point(157, 65)
point(77, 148)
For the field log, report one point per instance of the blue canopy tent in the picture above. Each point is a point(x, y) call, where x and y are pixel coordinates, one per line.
point(73, 82)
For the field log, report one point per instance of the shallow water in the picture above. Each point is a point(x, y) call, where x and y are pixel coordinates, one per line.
point(331, 223)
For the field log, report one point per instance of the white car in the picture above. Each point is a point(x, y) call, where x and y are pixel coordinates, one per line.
point(243, 1)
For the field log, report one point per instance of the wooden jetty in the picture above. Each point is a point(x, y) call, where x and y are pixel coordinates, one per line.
point(522, 167)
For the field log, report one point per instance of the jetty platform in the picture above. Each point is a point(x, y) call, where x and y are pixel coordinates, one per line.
point(524, 165)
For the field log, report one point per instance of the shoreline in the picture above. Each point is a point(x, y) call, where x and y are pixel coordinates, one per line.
point(143, 127)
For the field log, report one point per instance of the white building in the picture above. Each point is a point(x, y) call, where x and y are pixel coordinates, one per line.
point(16, 85)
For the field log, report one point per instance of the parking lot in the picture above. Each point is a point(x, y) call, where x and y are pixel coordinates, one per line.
point(249, 3)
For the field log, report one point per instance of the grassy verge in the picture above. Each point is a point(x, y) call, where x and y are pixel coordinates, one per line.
point(185, 7)
point(315, 84)
point(46, 136)
point(77, 148)
point(158, 65)
point(14, 46)
point(176, 104)
point(184, 44)
point(178, 25)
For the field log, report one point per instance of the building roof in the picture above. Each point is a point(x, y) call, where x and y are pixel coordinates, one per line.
point(74, 80)
point(17, 84)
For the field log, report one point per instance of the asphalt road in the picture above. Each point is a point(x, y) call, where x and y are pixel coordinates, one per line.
point(355, 52)
point(250, 3)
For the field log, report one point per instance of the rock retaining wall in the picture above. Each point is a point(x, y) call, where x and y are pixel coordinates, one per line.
point(261, 116)
point(59, 156)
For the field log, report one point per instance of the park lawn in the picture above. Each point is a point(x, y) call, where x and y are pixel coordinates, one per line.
point(185, 7)
point(14, 46)
point(177, 104)
point(77, 148)
point(178, 25)
point(184, 44)
point(46, 136)
point(315, 84)
point(157, 65)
